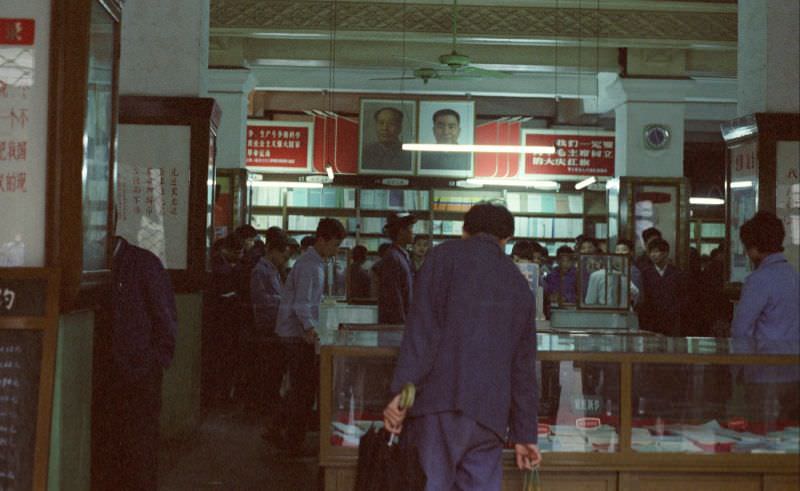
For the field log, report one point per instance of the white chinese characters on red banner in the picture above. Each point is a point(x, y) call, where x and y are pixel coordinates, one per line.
point(590, 154)
point(279, 145)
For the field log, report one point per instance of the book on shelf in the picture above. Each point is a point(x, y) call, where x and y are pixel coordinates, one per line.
point(314, 198)
point(349, 198)
point(575, 203)
point(330, 197)
point(297, 197)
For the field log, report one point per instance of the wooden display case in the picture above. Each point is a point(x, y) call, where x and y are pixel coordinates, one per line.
point(761, 174)
point(180, 134)
point(82, 148)
point(616, 411)
point(637, 203)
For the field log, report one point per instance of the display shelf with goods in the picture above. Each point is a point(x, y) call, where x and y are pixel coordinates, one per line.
point(627, 406)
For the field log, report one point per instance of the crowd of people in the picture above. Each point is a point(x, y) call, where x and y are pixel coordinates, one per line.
point(264, 302)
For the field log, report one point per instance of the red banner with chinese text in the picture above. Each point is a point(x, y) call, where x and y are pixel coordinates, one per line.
point(17, 31)
point(279, 145)
point(577, 153)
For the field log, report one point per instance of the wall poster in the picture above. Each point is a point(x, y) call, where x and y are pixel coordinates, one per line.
point(578, 153)
point(446, 123)
point(23, 138)
point(153, 190)
point(787, 194)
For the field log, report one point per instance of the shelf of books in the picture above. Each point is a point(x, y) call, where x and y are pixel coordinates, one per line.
point(551, 218)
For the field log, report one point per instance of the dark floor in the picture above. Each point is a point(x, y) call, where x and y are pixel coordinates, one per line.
point(227, 453)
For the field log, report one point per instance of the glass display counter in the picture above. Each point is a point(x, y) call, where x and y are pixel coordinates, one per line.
point(611, 407)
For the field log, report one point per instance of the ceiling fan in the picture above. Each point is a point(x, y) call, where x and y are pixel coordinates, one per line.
point(452, 65)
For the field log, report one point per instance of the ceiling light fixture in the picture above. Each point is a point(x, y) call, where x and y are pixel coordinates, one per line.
point(586, 183)
point(525, 183)
point(284, 184)
point(438, 147)
point(697, 200)
point(741, 184)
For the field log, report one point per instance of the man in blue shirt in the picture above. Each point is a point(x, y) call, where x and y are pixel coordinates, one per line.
point(768, 315)
point(469, 347)
point(298, 321)
point(265, 293)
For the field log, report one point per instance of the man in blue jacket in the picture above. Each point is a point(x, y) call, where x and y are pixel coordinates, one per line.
point(143, 332)
point(768, 318)
point(396, 281)
point(470, 349)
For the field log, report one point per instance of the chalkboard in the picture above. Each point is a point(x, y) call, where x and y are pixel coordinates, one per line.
point(20, 358)
point(20, 297)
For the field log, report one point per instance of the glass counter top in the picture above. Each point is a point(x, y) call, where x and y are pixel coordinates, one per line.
point(585, 342)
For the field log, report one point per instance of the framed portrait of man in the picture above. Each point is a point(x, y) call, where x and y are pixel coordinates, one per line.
point(385, 125)
point(450, 123)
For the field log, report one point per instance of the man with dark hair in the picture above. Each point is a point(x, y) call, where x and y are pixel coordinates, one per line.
point(298, 321)
point(396, 271)
point(421, 246)
point(306, 242)
point(768, 308)
point(561, 284)
point(265, 292)
point(358, 277)
point(446, 131)
point(142, 342)
point(768, 318)
point(470, 349)
point(387, 153)
point(642, 261)
point(522, 251)
point(664, 292)
point(626, 247)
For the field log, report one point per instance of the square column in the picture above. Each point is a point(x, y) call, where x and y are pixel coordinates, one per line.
point(769, 56)
point(230, 87)
point(650, 116)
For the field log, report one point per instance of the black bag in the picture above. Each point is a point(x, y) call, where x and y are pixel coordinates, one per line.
point(384, 465)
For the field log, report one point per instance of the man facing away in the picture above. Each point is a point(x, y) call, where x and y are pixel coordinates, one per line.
point(469, 347)
point(768, 317)
point(298, 321)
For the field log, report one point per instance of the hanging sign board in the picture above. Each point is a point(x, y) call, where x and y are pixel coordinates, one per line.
point(280, 146)
point(578, 153)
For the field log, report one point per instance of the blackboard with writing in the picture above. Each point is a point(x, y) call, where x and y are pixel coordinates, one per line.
point(20, 359)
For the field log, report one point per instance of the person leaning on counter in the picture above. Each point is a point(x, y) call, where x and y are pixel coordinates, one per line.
point(469, 347)
point(396, 271)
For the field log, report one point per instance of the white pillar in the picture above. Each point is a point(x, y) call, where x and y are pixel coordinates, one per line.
point(230, 88)
point(637, 104)
point(165, 48)
point(769, 56)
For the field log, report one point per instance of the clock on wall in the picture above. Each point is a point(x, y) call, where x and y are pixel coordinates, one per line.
point(656, 136)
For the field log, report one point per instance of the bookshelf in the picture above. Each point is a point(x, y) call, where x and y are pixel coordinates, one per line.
point(551, 218)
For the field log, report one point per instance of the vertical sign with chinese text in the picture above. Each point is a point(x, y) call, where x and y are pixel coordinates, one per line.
point(284, 146)
point(23, 137)
point(578, 153)
point(152, 196)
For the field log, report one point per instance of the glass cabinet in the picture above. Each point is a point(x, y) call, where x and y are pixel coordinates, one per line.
point(611, 401)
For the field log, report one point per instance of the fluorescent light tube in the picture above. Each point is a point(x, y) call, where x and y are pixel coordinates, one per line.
point(706, 201)
point(741, 184)
point(437, 147)
point(284, 184)
point(513, 183)
point(586, 182)
point(329, 171)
